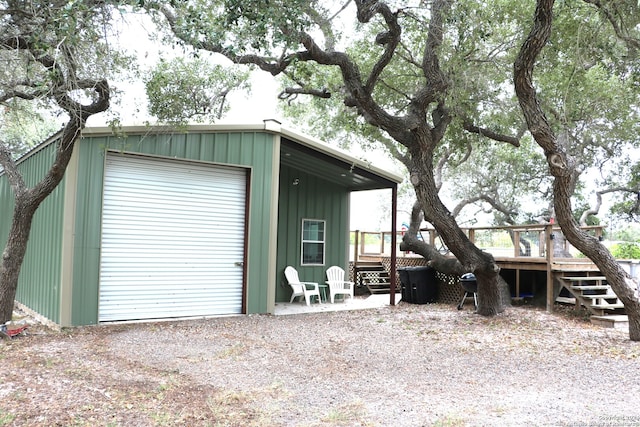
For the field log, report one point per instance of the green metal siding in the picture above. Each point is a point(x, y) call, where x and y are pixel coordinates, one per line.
point(311, 198)
point(40, 277)
point(254, 150)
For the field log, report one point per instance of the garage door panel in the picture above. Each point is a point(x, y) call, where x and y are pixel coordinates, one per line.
point(173, 235)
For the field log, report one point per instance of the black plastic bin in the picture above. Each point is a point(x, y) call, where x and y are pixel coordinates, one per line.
point(419, 284)
point(403, 273)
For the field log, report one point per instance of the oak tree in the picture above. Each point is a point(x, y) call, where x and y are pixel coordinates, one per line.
point(54, 56)
point(563, 166)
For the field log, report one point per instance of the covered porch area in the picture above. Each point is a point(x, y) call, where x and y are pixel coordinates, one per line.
point(314, 209)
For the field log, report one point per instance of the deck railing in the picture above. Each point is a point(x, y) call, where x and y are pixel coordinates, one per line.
point(519, 248)
point(515, 241)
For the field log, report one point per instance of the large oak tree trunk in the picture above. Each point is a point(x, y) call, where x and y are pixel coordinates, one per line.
point(562, 168)
point(27, 200)
point(13, 256)
point(491, 299)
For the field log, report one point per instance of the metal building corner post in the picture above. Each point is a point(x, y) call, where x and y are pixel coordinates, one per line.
point(394, 235)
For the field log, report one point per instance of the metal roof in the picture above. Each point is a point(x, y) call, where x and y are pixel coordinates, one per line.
point(296, 151)
point(317, 158)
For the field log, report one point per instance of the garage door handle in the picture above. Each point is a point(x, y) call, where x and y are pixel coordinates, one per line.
point(239, 264)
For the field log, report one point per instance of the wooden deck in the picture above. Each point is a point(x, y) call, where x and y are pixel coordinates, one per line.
point(542, 264)
point(559, 271)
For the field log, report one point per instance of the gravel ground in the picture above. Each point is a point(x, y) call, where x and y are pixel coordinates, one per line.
point(409, 365)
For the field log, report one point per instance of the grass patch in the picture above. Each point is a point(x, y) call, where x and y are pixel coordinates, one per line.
point(450, 421)
point(236, 408)
point(231, 352)
point(346, 415)
point(6, 418)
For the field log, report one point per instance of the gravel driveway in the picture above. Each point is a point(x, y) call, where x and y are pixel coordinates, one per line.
point(409, 365)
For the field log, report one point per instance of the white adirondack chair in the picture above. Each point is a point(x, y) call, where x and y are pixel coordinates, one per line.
point(337, 284)
point(301, 289)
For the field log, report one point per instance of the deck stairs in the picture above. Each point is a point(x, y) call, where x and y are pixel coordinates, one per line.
point(373, 276)
point(595, 294)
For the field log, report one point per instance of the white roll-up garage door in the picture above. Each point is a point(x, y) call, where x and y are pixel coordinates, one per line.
point(172, 239)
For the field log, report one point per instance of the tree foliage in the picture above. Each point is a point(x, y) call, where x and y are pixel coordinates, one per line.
point(626, 250)
point(182, 90)
point(584, 58)
point(22, 126)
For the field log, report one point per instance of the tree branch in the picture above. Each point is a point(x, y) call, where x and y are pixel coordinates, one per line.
point(632, 43)
point(436, 80)
point(389, 39)
point(294, 91)
point(596, 208)
point(470, 127)
point(444, 159)
point(495, 203)
point(435, 259)
point(537, 121)
point(11, 171)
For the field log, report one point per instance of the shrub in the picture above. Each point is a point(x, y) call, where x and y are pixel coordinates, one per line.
point(626, 250)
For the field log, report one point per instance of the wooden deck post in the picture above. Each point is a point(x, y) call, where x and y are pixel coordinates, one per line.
point(394, 235)
point(356, 239)
point(548, 231)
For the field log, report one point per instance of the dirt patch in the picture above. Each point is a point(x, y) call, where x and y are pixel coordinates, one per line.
point(410, 365)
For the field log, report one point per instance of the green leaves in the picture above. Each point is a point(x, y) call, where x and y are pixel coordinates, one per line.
point(241, 27)
point(183, 90)
point(626, 250)
point(22, 126)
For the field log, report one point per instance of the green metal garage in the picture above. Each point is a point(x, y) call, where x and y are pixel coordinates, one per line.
point(153, 223)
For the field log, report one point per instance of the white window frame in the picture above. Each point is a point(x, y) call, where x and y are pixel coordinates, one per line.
point(323, 242)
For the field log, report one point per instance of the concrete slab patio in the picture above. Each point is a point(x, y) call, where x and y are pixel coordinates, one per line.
point(358, 303)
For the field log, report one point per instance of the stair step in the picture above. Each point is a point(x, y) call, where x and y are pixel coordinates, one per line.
point(379, 291)
point(370, 267)
point(607, 306)
point(572, 301)
point(379, 285)
point(605, 296)
point(590, 287)
point(583, 278)
point(611, 320)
